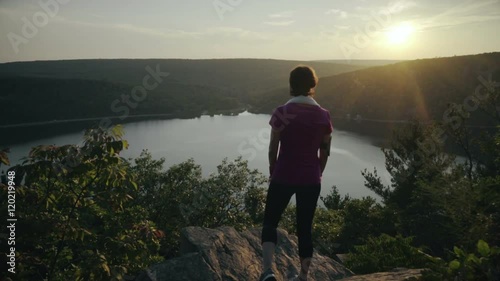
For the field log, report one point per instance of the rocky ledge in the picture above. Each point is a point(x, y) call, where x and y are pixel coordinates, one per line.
point(224, 254)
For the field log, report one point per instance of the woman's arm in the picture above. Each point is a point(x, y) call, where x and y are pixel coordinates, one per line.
point(324, 151)
point(273, 149)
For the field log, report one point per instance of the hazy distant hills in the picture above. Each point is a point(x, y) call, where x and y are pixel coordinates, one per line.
point(48, 90)
point(243, 75)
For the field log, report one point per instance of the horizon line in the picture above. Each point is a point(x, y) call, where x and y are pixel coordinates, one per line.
point(243, 58)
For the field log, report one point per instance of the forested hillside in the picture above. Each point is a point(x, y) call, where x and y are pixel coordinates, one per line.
point(241, 75)
point(48, 99)
point(420, 89)
point(379, 98)
point(48, 90)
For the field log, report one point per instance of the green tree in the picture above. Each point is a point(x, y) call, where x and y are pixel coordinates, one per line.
point(417, 164)
point(384, 253)
point(76, 219)
point(162, 193)
point(481, 264)
point(180, 197)
point(335, 201)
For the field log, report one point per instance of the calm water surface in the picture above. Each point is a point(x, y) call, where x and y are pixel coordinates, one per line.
point(208, 140)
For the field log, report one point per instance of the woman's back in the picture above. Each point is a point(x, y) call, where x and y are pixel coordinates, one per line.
point(302, 128)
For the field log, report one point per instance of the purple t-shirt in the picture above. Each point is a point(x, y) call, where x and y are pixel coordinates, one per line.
point(302, 129)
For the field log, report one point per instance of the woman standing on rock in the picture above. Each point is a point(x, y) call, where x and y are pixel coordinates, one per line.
point(300, 128)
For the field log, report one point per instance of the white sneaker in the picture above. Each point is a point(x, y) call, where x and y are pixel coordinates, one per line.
point(267, 275)
point(297, 278)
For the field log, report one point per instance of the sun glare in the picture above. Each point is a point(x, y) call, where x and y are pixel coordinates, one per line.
point(399, 34)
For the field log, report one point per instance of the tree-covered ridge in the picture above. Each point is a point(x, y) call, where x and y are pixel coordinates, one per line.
point(48, 90)
point(244, 75)
point(421, 89)
point(48, 99)
point(385, 95)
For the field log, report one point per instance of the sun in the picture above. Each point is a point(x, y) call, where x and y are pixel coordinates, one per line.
point(399, 34)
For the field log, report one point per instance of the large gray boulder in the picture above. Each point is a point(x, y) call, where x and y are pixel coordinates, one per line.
point(227, 255)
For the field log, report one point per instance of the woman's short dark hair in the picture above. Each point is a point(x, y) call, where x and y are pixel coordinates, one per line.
point(303, 80)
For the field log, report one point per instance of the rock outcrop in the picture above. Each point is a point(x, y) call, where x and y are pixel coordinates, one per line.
point(224, 254)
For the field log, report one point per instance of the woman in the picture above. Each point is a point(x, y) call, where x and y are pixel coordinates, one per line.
point(300, 128)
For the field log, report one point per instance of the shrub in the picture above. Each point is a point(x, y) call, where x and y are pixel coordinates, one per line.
point(484, 264)
point(384, 253)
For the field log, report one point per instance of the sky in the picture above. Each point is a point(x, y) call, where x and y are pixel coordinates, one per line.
point(278, 29)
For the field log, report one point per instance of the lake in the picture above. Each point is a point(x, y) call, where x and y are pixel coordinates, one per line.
point(208, 140)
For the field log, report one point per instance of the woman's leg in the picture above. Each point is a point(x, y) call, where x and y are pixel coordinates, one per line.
point(307, 199)
point(277, 199)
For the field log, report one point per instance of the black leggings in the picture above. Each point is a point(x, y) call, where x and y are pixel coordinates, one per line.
point(278, 197)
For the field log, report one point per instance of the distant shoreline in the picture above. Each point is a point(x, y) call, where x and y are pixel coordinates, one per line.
point(230, 112)
point(42, 123)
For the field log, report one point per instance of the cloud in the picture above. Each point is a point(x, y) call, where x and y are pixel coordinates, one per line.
point(400, 6)
point(466, 13)
point(231, 32)
point(340, 13)
point(365, 12)
point(279, 23)
point(393, 7)
point(237, 32)
point(285, 14)
point(168, 33)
